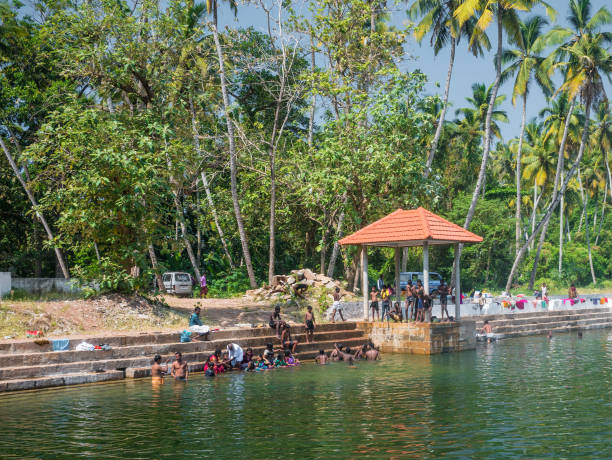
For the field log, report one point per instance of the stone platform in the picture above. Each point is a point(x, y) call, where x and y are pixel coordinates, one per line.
point(421, 338)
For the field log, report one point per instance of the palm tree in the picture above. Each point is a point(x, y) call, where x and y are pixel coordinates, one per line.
point(476, 114)
point(506, 16)
point(212, 8)
point(438, 19)
point(525, 63)
point(602, 136)
point(584, 29)
point(539, 163)
point(560, 123)
point(585, 61)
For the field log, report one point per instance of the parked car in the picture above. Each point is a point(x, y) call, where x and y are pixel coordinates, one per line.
point(179, 283)
point(434, 280)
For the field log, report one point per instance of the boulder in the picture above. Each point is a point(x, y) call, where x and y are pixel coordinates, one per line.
point(331, 285)
point(308, 274)
point(290, 280)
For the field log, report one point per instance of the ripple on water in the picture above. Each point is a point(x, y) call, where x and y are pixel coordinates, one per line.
point(522, 398)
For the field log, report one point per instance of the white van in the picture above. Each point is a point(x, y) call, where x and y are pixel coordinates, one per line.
point(179, 283)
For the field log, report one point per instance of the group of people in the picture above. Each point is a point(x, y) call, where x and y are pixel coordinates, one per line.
point(366, 352)
point(418, 302)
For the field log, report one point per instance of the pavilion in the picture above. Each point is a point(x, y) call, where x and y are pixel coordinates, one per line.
point(405, 228)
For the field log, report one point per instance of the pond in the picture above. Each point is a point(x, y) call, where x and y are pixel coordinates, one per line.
point(521, 398)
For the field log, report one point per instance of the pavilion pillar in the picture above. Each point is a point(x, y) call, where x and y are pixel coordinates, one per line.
point(426, 266)
point(397, 275)
point(364, 281)
point(457, 284)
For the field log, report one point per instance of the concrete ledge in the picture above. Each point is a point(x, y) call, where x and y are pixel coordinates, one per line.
point(422, 338)
point(59, 380)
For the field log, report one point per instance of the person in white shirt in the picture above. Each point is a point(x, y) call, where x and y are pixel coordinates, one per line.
point(235, 355)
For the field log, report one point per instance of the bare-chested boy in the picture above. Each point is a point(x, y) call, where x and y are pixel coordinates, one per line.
point(372, 354)
point(335, 354)
point(157, 370)
point(321, 357)
point(179, 369)
point(374, 305)
point(309, 324)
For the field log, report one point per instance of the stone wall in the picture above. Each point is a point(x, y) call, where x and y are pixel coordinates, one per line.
point(422, 338)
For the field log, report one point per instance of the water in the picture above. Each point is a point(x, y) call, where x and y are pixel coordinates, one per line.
point(520, 398)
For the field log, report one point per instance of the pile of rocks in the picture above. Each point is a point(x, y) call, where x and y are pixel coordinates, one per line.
point(301, 283)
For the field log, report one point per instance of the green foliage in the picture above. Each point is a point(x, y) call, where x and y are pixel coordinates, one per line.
point(228, 284)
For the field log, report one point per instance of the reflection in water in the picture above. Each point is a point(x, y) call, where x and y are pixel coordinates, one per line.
point(526, 398)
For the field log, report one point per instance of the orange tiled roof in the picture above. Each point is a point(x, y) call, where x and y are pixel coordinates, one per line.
point(411, 227)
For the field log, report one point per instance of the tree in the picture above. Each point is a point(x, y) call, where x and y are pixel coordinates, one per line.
point(585, 61)
point(212, 7)
point(580, 47)
point(525, 63)
point(438, 19)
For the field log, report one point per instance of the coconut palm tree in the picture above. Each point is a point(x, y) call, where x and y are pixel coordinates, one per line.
point(601, 138)
point(539, 163)
point(525, 64)
point(212, 8)
point(438, 20)
point(585, 61)
point(476, 114)
point(561, 124)
point(505, 13)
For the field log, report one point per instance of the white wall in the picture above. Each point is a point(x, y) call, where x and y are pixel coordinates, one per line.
point(5, 283)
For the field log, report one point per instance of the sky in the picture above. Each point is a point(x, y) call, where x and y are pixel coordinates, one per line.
point(467, 69)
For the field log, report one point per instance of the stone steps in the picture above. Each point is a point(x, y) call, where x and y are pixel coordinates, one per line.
point(149, 338)
point(23, 366)
point(517, 325)
point(33, 371)
point(501, 324)
point(539, 314)
point(60, 380)
point(56, 357)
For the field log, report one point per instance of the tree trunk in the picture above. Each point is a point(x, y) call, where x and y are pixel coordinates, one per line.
point(233, 159)
point(535, 205)
point(39, 215)
point(588, 239)
point(314, 96)
point(355, 263)
point(561, 211)
point(608, 170)
point(603, 209)
point(436, 139)
point(404, 259)
point(517, 216)
point(155, 265)
point(558, 180)
point(209, 199)
point(186, 242)
point(487, 136)
point(555, 202)
point(582, 214)
point(334, 255)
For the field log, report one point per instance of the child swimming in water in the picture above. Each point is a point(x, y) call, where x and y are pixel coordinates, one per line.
point(280, 361)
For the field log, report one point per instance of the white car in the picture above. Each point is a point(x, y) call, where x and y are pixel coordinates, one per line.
point(179, 283)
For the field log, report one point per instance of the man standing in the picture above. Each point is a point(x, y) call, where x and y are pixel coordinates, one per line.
point(337, 306)
point(179, 370)
point(374, 304)
point(380, 284)
point(443, 290)
point(203, 286)
point(234, 355)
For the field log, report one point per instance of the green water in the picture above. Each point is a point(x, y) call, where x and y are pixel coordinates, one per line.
point(520, 398)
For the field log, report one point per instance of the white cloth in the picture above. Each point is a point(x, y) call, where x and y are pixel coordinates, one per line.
point(337, 305)
point(235, 353)
point(84, 346)
point(199, 329)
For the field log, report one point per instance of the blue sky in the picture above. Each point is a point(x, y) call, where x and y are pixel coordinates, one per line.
point(467, 69)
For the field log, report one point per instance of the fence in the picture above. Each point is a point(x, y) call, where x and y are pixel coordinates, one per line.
point(36, 285)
